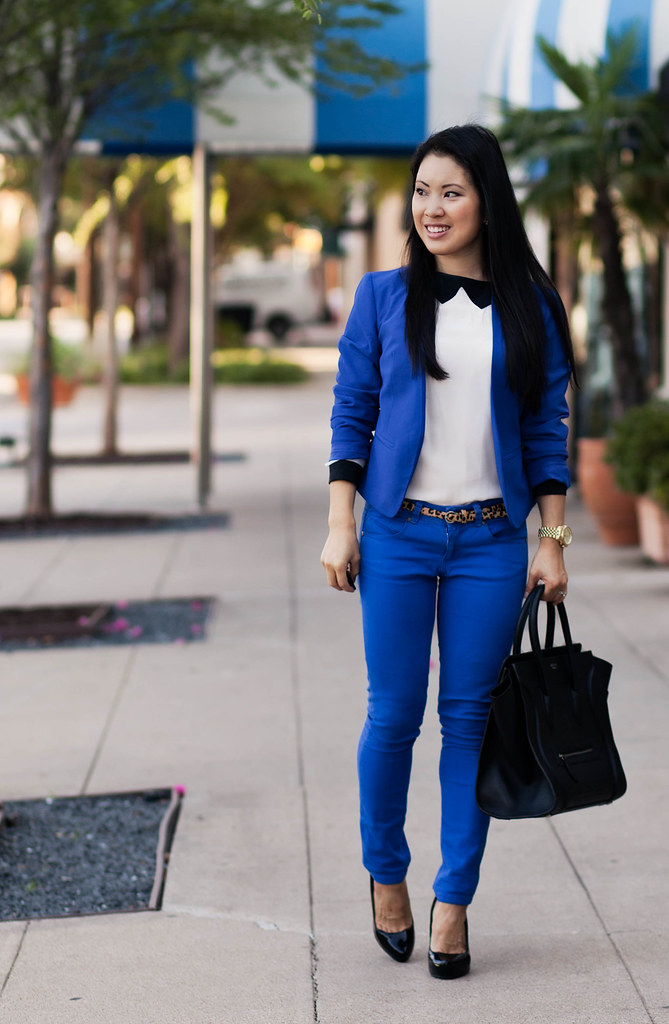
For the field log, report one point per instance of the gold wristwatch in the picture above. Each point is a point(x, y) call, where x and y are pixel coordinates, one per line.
point(562, 534)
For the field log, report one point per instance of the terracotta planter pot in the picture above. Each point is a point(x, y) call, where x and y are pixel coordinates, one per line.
point(654, 529)
point(62, 390)
point(614, 511)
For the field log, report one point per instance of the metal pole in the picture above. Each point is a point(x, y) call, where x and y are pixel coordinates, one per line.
point(201, 323)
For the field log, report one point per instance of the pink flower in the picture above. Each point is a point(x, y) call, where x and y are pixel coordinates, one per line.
point(196, 628)
point(120, 624)
point(180, 790)
point(135, 631)
point(196, 606)
point(83, 621)
point(122, 604)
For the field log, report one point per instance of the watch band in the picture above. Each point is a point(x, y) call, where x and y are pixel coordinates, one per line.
point(562, 534)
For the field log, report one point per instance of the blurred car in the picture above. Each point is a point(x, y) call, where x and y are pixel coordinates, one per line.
point(273, 296)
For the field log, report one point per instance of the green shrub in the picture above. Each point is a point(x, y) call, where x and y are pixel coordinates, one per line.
point(69, 361)
point(255, 366)
point(228, 334)
point(638, 438)
point(150, 365)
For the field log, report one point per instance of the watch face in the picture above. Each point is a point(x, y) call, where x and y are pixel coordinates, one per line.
point(567, 536)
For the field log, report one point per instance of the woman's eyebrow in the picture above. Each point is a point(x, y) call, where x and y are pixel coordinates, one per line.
point(449, 184)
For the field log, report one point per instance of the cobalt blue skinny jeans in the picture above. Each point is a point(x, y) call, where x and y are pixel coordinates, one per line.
point(470, 578)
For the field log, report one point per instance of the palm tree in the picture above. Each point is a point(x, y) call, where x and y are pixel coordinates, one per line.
point(602, 159)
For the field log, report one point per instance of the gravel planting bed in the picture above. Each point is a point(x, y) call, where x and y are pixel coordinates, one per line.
point(66, 856)
point(159, 621)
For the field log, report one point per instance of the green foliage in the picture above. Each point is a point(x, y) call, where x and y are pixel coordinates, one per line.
point(150, 365)
point(592, 165)
point(638, 448)
point(309, 8)
point(22, 262)
point(69, 361)
point(264, 194)
point(255, 366)
point(70, 58)
point(613, 138)
point(228, 334)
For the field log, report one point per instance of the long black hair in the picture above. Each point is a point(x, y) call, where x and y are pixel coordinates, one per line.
point(516, 277)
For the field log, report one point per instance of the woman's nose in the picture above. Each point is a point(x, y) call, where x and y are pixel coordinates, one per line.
point(435, 208)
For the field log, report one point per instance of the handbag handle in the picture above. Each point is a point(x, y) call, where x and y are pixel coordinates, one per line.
point(530, 610)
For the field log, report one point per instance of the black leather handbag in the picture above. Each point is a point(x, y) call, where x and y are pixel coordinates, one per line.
point(548, 745)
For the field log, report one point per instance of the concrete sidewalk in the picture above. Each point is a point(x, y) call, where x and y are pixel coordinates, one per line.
point(266, 917)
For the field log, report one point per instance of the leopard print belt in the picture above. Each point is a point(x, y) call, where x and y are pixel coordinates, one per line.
point(459, 515)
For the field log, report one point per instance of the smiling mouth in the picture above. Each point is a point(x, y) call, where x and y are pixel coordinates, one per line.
point(436, 230)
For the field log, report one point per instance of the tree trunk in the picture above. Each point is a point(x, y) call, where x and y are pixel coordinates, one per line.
point(629, 383)
point(110, 372)
point(654, 320)
point(565, 258)
point(50, 175)
point(139, 297)
point(179, 300)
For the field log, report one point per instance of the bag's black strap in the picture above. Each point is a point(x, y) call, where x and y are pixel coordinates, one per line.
point(531, 603)
point(564, 624)
point(550, 625)
point(530, 611)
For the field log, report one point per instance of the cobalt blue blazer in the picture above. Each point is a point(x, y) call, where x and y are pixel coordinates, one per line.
point(379, 408)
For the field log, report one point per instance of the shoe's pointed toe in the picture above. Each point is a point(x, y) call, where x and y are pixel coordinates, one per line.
point(398, 945)
point(448, 965)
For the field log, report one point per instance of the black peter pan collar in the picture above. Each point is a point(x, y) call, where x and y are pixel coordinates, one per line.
point(448, 285)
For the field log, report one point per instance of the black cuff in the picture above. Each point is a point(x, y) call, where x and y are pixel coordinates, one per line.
point(345, 469)
point(549, 487)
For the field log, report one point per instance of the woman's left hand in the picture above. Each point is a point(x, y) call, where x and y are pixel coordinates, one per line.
point(548, 568)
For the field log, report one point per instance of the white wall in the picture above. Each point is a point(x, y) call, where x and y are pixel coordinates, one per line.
point(459, 47)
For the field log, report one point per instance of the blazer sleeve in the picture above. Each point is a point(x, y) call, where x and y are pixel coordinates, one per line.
point(358, 384)
point(544, 433)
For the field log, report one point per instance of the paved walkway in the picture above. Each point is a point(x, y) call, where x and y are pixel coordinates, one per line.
point(266, 917)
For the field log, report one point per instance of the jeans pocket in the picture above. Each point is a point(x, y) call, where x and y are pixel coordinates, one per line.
point(375, 524)
point(503, 529)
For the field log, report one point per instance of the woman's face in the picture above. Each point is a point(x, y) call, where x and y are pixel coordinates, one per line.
point(447, 214)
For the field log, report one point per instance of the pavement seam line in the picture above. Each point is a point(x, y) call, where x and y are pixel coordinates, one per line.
point(287, 511)
point(172, 551)
point(14, 961)
point(48, 568)
point(598, 915)
point(109, 719)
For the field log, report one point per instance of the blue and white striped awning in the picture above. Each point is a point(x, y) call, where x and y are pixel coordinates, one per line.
point(578, 28)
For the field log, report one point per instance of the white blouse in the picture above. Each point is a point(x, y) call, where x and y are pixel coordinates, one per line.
point(456, 465)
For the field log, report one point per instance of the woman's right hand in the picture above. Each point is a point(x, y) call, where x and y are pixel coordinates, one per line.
point(340, 554)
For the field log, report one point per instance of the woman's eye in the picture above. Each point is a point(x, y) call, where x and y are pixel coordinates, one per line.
point(420, 191)
point(451, 195)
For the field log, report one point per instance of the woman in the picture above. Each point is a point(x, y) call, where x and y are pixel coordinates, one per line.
point(448, 418)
